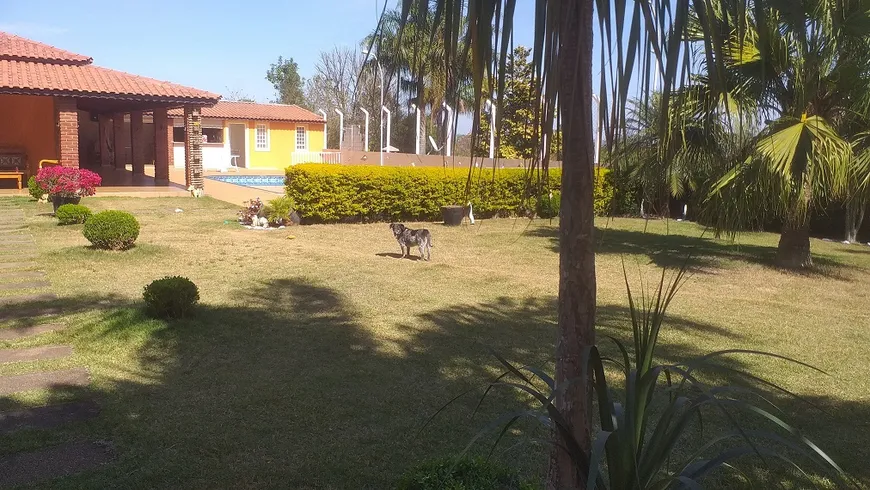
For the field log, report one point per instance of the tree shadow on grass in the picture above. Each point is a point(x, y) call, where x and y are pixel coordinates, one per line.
point(841, 428)
point(289, 387)
point(700, 254)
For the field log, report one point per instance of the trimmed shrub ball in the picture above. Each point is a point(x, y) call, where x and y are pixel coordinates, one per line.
point(72, 214)
point(171, 297)
point(112, 230)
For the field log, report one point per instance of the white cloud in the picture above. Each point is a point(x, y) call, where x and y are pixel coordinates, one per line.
point(32, 29)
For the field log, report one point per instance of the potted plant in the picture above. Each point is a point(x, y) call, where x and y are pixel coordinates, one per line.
point(453, 214)
point(66, 185)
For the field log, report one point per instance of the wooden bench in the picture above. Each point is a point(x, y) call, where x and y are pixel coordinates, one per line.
point(12, 161)
point(12, 175)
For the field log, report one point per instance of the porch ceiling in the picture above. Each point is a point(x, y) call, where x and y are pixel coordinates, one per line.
point(99, 105)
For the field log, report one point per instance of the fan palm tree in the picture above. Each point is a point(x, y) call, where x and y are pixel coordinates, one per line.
point(800, 63)
point(702, 149)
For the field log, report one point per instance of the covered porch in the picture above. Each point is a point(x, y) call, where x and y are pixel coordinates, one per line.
point(59, 108)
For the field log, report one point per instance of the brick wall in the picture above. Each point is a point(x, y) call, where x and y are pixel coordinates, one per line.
point(137, 142)
point(193, 147)
point(120, 137)
point(67, 131)
point(162, 147)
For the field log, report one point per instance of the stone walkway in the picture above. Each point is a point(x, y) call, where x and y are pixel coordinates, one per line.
point(25, 292)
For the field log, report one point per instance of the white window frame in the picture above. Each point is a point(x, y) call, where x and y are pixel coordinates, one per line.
point(257, 146)
point(296, 138)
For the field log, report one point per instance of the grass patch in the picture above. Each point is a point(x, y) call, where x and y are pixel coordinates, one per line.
point(313, 362)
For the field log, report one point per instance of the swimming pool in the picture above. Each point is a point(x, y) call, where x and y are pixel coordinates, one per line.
point(250, 180)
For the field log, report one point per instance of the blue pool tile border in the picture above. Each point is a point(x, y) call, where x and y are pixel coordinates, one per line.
point(250, 180)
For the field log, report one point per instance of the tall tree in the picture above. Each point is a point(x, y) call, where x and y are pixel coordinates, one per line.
point(284, 76)
point(332, 87)
point(798, 62)
point(237, 95)
point(418, 67)
point(516, 134)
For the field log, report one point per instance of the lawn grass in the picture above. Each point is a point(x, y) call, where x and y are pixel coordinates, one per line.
point(313, 362)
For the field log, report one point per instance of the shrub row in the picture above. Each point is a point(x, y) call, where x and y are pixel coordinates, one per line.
point(361, 193)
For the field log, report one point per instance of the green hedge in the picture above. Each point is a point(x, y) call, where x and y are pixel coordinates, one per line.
point(362, 193)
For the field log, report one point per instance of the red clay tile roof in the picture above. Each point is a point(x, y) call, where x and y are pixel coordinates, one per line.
point(29, 67)
point(20, 49)
point(254, 111)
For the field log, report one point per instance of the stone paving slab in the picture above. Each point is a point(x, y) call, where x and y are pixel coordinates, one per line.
point(42, 353)
point(41, 381)
point(48, 416)
point(22, 332)
point(21, 275)
point(15, 239)
point(54, 462)
point(15, 286)
point(17, 265)
point(6, 256)
point(26, 298)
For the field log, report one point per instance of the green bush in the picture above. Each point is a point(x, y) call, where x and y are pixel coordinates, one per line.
point(548, 205)
point(36, 191)
point(171, 297)
point(113, 230)
point(360, 193)
point(466, 474)
point(72, 214)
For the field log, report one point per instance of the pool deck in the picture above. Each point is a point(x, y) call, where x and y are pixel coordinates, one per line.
point(124, 183)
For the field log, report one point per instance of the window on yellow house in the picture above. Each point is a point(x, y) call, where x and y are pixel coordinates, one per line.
point(301, 140)
point(262, 137)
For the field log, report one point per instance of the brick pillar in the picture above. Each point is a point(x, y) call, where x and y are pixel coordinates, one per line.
point(67, 131)
point(119, 140)
point(193, 147)
point(105, 136)
point(170, 140)
point(162, 147)
point(138, 142)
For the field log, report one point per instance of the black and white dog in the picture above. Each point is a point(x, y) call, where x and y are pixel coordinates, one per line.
point(407, 238)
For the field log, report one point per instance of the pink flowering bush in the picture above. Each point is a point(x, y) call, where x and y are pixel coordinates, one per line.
point(68, 182)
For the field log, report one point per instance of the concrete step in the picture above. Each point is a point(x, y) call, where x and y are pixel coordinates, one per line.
point(23, 332)
point(48, 416)
point(26, 298)
point(44, 380)
point(17, 286)
point(21, 275)
point(42, 353)
point(28, 264)
point(54, 462)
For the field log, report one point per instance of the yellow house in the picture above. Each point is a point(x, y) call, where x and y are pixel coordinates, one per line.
point(251, 135)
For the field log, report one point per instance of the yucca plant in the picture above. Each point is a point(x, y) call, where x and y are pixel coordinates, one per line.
point(647, 431)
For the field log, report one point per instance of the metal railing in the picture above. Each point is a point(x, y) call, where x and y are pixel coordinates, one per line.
point(298, 157)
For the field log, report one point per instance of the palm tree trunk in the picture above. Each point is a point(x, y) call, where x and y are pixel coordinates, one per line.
point(854, 218)
point(794, 245)
point(576, 328)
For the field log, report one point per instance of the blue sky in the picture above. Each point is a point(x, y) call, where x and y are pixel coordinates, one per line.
point(213, 45)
